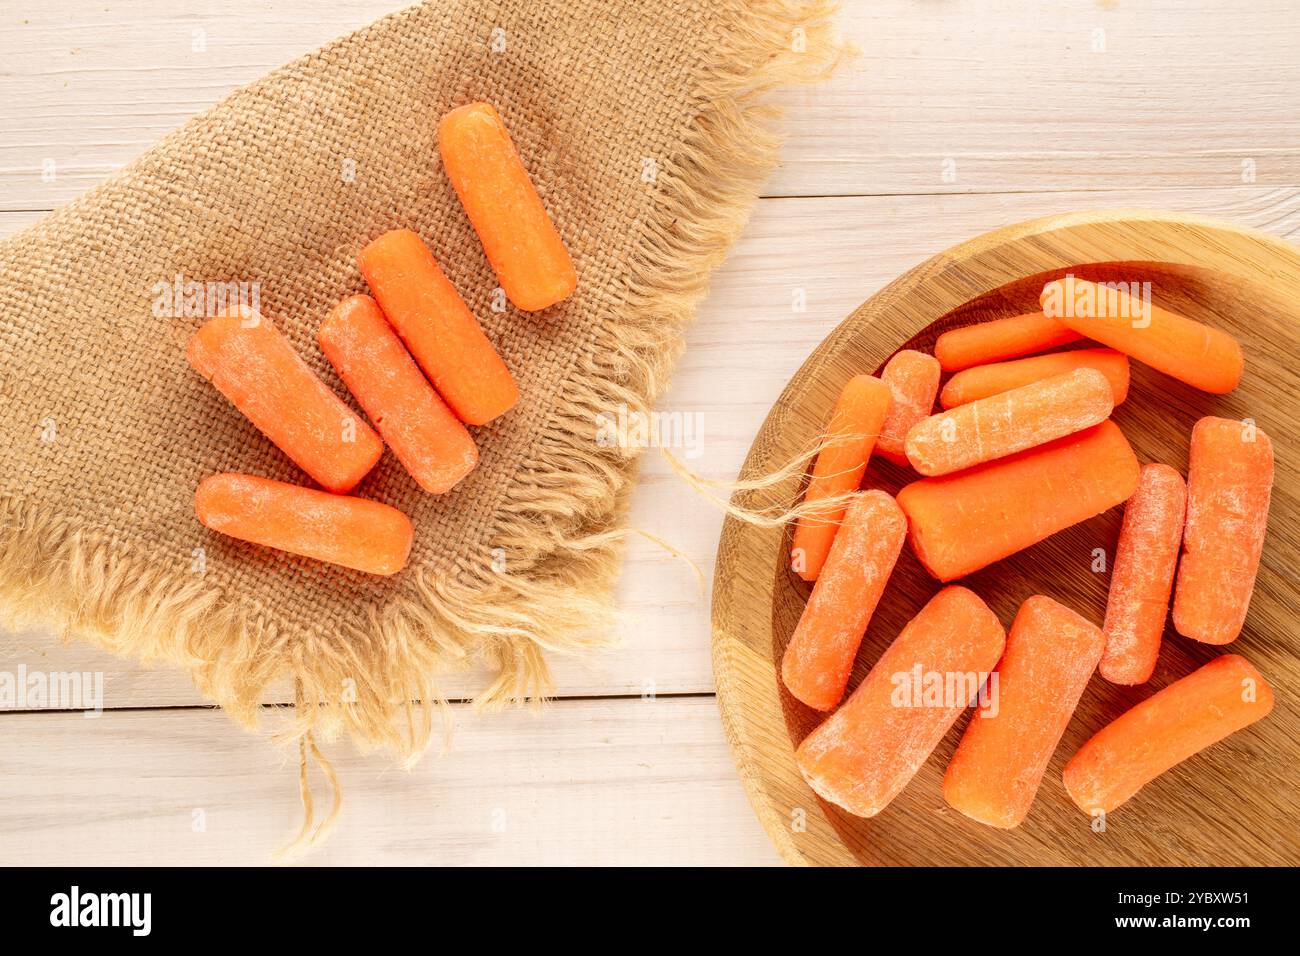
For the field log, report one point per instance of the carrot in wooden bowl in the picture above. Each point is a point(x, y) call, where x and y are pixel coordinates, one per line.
point(850, 437)
point(1143, 575)
point(520, 241)
point(1184, 718)
point(1051, 653)
point(437, 327)
point(962, 522)
point(985, 380)
point(417, 425)
point(819, 657)
point(864, 754)
point(1000, 339)
point(256, 368)
point(1229, 484)
point(352, 532)
point(913, 380)
point(1009, 422)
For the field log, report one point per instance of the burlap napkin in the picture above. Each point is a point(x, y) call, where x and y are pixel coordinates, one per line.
point(642, 127)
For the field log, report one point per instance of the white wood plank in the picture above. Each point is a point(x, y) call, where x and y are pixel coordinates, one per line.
point(744, 347)
point(590, 782)
point(1185, 92)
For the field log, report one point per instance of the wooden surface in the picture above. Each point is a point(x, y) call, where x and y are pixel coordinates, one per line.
point(1168, 115)
point(1236, 804)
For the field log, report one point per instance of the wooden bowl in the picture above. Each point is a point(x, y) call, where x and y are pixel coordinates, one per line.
point(1236, 803)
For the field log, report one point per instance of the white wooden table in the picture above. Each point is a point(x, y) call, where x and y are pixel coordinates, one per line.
point(958, 117)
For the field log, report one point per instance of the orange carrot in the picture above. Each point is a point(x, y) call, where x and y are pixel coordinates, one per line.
point(1184, 718)
point(518, 236)
point(256, 368)
point(1229, 483)
point(1140, 582)
point(438, 328)
point(851, 434)
point(963, 522)
point(356, 533)
point(1000, 339)
point(415, 423)
point(985, 380)
point(1050, 655)
point(1190, 351)
point(866, 752)
point(1009, 422)
point(819, 657)
point(913, 380)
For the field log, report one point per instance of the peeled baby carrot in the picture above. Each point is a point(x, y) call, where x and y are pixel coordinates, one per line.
point(1000, 339)
point(913, 380)
point(1184, 718)
point(1229, 484)
point(354, 532)
point(437, 326)
point(851, 434)
point(518, 236)
point(1009, 422)
point(864, 754)
point(1190, 351)
point(1050, 655)
point(819, 657)
point(963, 522)
point(256, 368)
point(1143, 574)
point(415, 423)
point(985, 380)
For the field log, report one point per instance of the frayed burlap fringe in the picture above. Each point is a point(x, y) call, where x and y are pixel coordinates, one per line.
point(556, 525)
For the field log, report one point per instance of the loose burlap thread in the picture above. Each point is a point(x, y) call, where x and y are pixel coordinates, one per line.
point(645, 130)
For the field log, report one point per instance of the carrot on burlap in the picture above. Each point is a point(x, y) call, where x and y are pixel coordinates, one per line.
point(424, 434)
point(913, 380)
point(518, 236)
point(960, 523)
point(819, 657)
point(1009, 422)
point(354, 532)
point(985, 380)
point(256, 368)
point(1184, 718)
point(864, 754)
point(1190, 351)
point(1051, 653)
point(1000, 339)
point(1229, 484)
point(437, 326)
point(850, 437)
point(1143, 575)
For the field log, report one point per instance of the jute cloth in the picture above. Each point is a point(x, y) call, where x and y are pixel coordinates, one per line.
point(643, 128)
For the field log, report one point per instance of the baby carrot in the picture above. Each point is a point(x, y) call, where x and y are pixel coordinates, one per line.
point(416, 424)
point(437, 327)
point(1050, 655)
point(1009, 422)
point(1190, 351)
point(1229, 483)
point(963, 522)
point(256, 368)
point(518, 236)
point(1000, 339)
point(851, 435)
point(819, 657)
point(864, 754)
point(1143, 574)
point(913, 380)
point(985, 380)
point(356, 533)
point(1184, 718)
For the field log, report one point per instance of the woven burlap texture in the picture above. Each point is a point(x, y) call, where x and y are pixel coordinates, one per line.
point(642, 126)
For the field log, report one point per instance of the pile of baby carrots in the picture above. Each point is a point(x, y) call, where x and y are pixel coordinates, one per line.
point(413, 356)
point(1025, 448)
